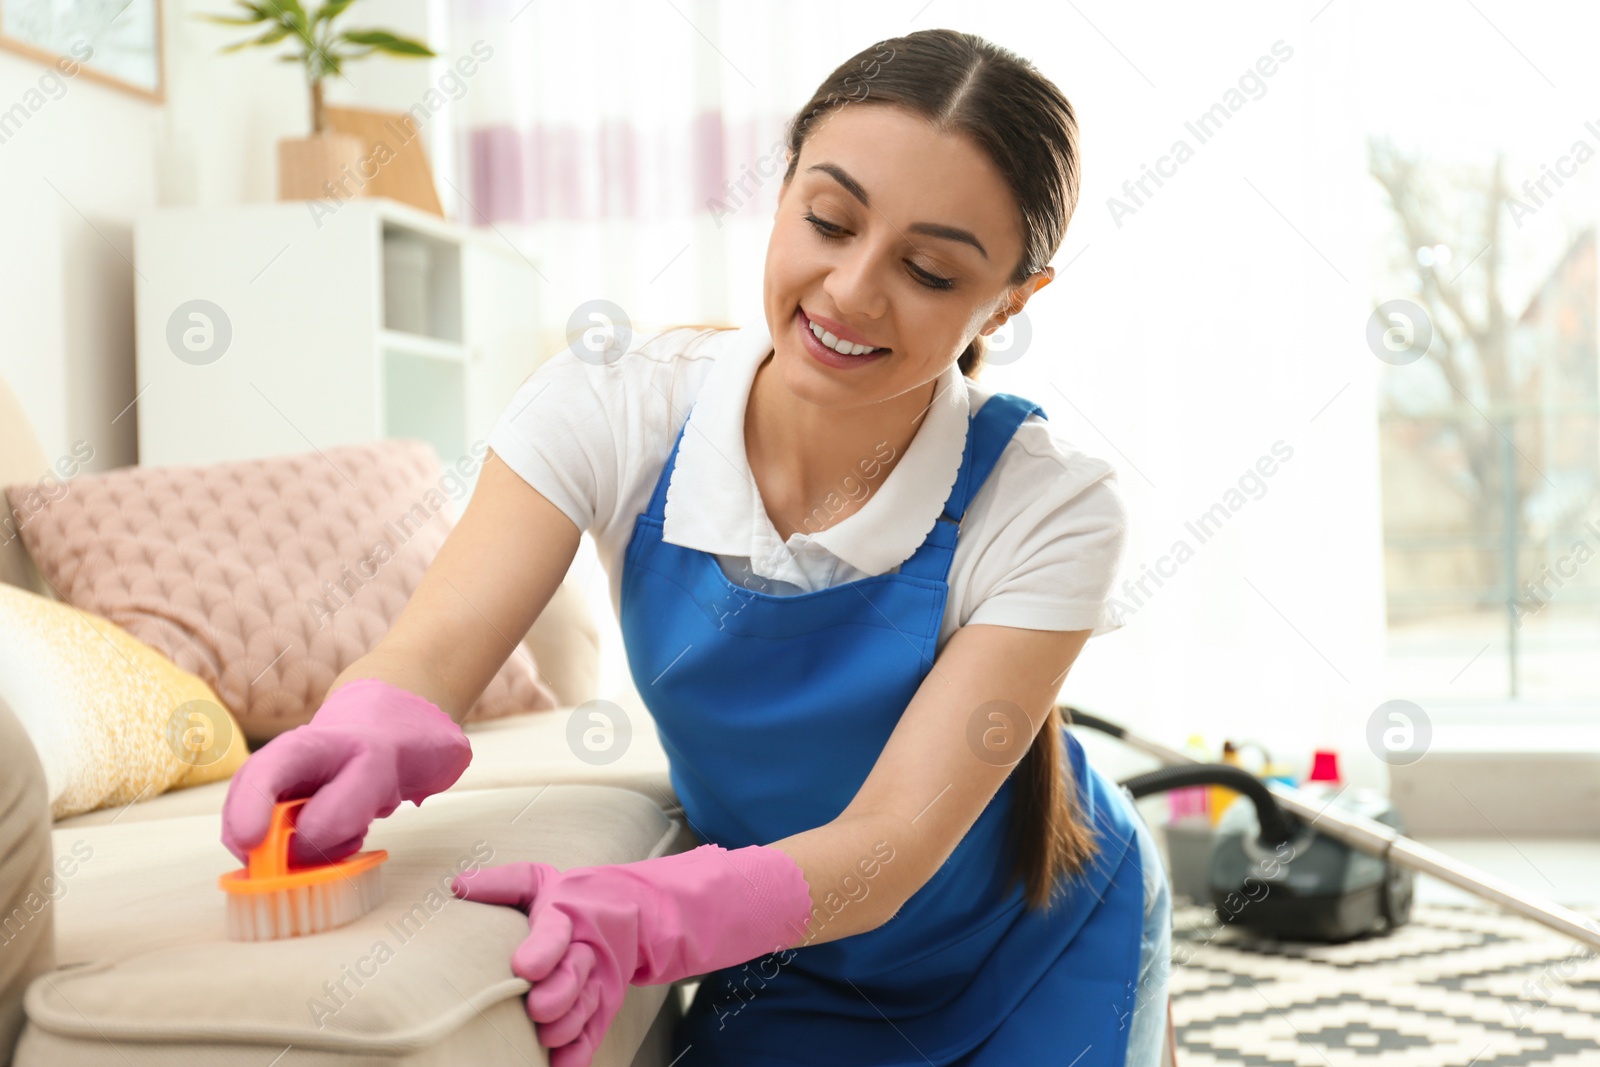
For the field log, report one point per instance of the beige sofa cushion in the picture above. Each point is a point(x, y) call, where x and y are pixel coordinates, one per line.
point(600, 742)
point(146, 976)
point(565, 643)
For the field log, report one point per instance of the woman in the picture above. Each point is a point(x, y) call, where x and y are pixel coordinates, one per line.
point(850, 581)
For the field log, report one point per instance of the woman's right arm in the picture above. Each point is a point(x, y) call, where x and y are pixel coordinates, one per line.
point(497, 569)
point(380, 735)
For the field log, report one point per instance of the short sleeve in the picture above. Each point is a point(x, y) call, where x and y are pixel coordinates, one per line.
point(1051, 566)
point(557, 435)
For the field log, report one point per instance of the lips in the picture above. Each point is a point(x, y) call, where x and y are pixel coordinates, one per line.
point(829, 357)
point(838, 330)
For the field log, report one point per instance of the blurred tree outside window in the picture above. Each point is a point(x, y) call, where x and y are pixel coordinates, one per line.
point(1489, 425)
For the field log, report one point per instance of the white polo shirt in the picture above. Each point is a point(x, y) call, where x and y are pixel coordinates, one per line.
point(1038, 549)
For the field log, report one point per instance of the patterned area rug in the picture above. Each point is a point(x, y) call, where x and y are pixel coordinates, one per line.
point(1458, 986)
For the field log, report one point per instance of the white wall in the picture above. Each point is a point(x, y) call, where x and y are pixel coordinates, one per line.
point(90, 159)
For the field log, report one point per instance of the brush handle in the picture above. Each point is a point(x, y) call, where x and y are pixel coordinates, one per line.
point(270, 859)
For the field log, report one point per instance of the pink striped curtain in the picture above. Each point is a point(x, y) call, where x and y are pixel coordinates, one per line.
point(633, 149)
point(626, 109)
point(613, 169)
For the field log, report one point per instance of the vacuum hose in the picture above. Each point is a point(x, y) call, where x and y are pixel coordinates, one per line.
point(1275, 829)
point(1275, 825)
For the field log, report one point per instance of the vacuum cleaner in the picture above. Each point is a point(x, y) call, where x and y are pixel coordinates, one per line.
point(1295, 865)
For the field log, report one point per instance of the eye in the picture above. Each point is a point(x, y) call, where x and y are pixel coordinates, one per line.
point(830, 232)
point(826, 230)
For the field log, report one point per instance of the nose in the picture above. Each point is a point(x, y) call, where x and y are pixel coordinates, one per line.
point(855, 285)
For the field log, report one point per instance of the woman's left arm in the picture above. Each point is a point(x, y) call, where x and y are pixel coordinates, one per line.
point(593, 931)
point(968, 725)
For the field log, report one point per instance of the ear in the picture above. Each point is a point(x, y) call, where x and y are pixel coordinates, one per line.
point(1019, 297)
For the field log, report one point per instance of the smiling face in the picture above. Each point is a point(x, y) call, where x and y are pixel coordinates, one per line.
point(892, 235)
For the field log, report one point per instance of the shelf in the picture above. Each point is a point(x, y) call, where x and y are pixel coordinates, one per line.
point(421, 282)
point(403, 326)
point(418, 345)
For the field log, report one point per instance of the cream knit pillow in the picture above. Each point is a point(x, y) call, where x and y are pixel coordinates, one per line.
point(114, 720)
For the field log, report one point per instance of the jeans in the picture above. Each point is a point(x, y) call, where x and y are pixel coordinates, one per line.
point(1148, 1025)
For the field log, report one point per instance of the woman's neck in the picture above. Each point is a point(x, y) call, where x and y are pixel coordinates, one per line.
point(812, 464)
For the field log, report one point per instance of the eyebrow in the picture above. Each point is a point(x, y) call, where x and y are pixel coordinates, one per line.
point(932, 229)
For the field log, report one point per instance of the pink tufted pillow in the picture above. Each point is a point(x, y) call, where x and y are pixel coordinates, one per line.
point(267, 577)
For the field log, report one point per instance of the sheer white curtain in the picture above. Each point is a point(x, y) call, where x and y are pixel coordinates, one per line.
point(1211, 334)
point(632, 151)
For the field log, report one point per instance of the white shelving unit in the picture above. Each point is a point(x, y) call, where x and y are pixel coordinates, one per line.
point(267, 329)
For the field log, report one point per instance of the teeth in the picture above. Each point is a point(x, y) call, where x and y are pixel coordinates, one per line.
point(837, 345)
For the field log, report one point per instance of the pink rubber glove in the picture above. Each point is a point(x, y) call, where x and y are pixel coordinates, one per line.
point(594, 930)
point(368, 747)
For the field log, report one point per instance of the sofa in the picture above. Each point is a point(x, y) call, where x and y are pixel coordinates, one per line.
point(129, 961)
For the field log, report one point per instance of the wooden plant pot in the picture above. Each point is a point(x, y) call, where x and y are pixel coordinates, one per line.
point(307, 166)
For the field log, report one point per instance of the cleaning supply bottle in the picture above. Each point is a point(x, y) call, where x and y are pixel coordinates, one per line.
point(1279, 772)
point(1324, 779)
point(1267, 769)
point(1191, 802)
point(1222, 796)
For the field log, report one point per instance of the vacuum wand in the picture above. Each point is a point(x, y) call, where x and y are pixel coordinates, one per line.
point(1375, 839)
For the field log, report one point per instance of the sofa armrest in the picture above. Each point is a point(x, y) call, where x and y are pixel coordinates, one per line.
point(28, 886)
point(147, 975)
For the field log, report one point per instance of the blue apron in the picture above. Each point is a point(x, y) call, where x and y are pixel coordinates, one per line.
point(772, 710)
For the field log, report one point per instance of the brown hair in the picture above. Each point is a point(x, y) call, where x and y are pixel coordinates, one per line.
point(963, 84)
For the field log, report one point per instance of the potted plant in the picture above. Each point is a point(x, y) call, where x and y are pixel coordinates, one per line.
point(307, 164)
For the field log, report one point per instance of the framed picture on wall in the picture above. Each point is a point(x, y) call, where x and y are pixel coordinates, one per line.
point(114, 42)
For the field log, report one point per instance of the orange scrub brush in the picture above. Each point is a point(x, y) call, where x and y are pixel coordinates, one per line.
point(269, 899)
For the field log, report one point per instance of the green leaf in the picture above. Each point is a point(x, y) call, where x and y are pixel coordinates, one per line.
point(387, 42)
point(253, 14)
point(272, 36)
point(229, 20)
point(290, 13)
point(331, 10)
point(320, 63)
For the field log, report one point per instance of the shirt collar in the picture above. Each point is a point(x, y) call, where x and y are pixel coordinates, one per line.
point(713, 504)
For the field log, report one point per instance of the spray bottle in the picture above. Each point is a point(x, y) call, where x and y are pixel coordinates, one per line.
point(1191, 802)
point(1221, 795)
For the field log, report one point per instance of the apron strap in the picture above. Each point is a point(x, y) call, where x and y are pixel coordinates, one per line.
point(989, 430)
point(658, 498)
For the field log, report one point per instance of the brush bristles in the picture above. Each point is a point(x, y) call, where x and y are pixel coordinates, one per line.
point(303, 910)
